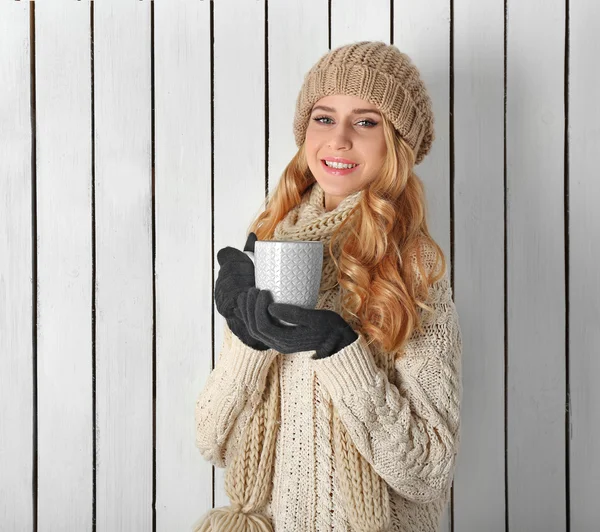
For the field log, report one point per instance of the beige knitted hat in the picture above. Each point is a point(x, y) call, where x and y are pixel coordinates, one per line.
point(380, 74)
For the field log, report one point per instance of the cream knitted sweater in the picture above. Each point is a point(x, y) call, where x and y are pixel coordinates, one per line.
point(408, 430)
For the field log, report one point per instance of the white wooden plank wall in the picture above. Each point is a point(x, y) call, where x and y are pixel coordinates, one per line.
point(583, 296)
point(182, 93)
point(124, 264)
point(65, 275)
point(138, 138)
point(479, 263)
point(18, 469)
point(536, 267)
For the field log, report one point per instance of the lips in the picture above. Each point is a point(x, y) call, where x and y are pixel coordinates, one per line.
point(338, 160)
point(338, 171)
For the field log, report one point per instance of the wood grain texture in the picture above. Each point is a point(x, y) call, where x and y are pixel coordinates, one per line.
point(124, 306)
point(239, 133)
point(183, 255)
point(64, 253)
point(478, 136)
point(535, 266)
point(16, 285)
point(77, 225)
point(584, 260)
point(422, 30)
point(289, 60)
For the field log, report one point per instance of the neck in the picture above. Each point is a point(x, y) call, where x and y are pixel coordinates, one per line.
point(331, 202)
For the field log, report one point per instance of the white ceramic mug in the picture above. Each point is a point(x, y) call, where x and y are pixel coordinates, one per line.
point(290, 269)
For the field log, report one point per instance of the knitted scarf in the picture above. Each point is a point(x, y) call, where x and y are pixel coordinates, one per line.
point(248, 479)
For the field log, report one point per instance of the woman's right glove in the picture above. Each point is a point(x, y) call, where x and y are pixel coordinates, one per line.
point(236, 275)
point(320, 330)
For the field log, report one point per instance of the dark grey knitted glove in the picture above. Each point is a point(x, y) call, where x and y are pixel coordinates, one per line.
point(324, 331)
point(236, 275)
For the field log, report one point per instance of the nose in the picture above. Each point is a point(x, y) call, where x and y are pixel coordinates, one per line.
point(340, 138)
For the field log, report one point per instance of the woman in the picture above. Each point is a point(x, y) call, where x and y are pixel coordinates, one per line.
point(360, 432)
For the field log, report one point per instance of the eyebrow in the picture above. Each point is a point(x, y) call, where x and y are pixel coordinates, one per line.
point(355, 111)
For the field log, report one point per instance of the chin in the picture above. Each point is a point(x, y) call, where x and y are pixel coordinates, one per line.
point(343, 189)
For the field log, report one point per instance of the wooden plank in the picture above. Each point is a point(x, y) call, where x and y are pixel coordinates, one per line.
point(239, 137)
point(479, 260)
point(17, 355)
point(123, 223)
point(422, 31)
point(64, 254)
point(65, 220)
point(536, 265)
point(183, 256)
point(293, 49)
point(584, 257)
point(353, 20)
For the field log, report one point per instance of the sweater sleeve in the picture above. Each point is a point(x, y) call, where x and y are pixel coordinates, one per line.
point(408, 431)
point(226, 402)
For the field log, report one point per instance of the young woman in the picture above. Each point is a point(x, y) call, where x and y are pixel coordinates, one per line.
point(349, 420)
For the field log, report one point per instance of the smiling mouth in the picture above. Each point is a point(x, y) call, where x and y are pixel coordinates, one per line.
point(339, 165)
point(338, 169)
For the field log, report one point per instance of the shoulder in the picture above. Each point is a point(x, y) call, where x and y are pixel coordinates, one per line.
point(427, 259)
point(428, 254)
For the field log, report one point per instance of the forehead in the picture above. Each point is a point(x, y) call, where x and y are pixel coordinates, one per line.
point(344, 103)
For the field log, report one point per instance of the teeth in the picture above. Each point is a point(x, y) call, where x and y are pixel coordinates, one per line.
point(339, 165)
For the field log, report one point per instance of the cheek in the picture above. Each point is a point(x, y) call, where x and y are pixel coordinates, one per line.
point(379, 150)
point(311, 145)
point(311, 135)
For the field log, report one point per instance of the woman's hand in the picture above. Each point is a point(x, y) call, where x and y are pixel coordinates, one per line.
point(323, 331)
point(236, 275)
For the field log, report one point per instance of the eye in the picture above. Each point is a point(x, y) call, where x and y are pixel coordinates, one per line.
point(319, 118)
point(373, 124)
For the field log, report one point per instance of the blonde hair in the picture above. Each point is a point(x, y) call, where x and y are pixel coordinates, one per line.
point(382, 292)
point(376, 270)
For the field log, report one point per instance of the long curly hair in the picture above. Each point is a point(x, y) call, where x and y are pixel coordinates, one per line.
point(381, 291)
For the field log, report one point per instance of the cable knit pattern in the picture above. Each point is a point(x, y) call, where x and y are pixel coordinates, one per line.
point(231, 390)
point(311, 222)
point(378, 73)
point(403, 417)
point(409, 432)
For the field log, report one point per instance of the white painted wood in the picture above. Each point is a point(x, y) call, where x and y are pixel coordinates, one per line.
point(183, 256)
point(353, 20)
point(239, 136)
point(536, 265)
point(584, 277)
point(123, 180)
point(422, 30)
point(16, 218)
point(64, 253)
point(298, 37)
point(479, 264)
point(56, 461)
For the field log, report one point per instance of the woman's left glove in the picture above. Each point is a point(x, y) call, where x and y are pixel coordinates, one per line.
point(235, 276)
point(323, 331)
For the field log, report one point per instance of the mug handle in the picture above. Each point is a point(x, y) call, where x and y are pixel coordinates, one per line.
point(250, 254)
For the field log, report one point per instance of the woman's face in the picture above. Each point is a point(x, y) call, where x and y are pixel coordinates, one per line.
point(349, 129)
